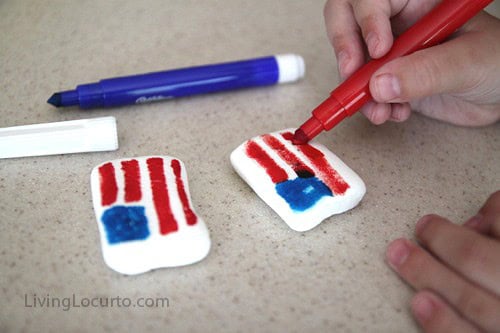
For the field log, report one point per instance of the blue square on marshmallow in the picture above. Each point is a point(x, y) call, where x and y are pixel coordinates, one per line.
point(125, 223)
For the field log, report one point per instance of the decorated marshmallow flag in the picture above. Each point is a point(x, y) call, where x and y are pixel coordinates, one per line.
point(304, 184)
point(145, 216)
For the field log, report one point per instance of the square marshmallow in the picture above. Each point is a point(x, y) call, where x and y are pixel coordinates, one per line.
point(303, 184)
point(145, 216)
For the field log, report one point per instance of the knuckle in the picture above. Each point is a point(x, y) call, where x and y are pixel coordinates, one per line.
point(414, 269)
point(331, 5)
point(425, 75)
point(339, 41)
point(479, 308)
point(369, 22)
point(469, 254)
point(467, 303)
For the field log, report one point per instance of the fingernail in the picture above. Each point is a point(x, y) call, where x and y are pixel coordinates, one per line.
point(343, 60)
point(388, 87)
point(474, 222)
point(397, 253)
point(372, 41)
point(399, 113)
point(420, 226)
point(423, 307)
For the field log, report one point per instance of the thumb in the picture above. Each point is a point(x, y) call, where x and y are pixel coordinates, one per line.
point(445, 68)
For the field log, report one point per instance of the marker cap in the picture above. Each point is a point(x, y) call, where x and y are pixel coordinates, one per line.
point(75, 136)
point(291, 67)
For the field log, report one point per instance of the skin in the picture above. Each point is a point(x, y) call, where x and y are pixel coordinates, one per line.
point(457, 81)
point(454, 269)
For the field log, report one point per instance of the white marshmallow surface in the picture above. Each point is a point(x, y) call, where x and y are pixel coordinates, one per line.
point(303, 184)
point(145, 216)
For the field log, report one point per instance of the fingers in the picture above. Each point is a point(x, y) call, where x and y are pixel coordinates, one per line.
point(445, 68)
point(458, 111)
point(343, 33)
point(423, 271)
point(487, 220)
point(379, 113)
point(400, 112)
point(434, 315)
point(351, 24)
point(373, 17)
point(347, 20)
point(471, 254)
point(412, 11)
point(489, 215)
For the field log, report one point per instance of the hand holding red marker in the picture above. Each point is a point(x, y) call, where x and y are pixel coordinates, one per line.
point(453, 268)
point(357, 90)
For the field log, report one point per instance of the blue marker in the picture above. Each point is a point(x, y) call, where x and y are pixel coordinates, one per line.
point(175, 83)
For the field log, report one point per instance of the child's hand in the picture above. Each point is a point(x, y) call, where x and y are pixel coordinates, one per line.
point(455, 271)
point(457, 81)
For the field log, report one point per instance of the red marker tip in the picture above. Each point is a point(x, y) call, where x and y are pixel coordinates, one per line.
point(300, 137)
point(307, 131)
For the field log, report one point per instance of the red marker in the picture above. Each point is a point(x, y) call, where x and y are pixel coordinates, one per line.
point(353, 93)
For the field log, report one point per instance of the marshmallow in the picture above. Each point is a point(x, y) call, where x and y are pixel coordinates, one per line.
point(303, 184)
point(145, 216)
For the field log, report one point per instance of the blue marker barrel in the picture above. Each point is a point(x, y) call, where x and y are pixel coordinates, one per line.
point(184, 82)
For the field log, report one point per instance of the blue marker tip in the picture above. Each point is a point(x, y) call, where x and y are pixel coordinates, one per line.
point(55, 100)
point(64, 98)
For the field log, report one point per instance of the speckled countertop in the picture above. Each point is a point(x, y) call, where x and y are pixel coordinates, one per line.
point(260, 275)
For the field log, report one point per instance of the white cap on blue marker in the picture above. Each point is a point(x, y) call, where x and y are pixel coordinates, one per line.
point(291, 67)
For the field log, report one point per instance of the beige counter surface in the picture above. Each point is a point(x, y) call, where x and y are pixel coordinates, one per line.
point(260, 275)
